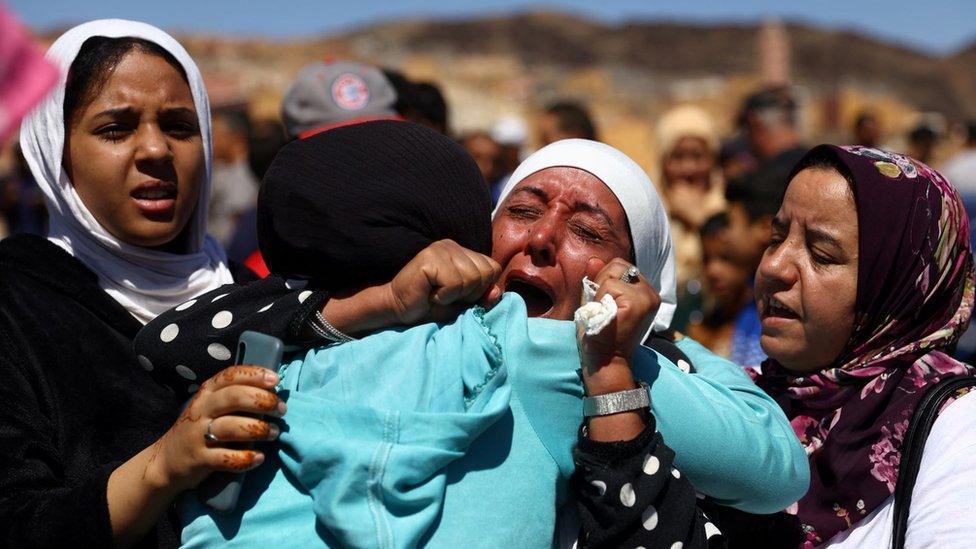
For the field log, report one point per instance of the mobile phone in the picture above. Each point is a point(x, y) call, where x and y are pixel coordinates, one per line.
point(221, 490)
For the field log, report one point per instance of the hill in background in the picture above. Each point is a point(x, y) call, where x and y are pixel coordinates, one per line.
point(628, 74)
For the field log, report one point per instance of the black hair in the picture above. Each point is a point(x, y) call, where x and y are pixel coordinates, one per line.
point(971, 131)
point(236, 118)
point(404, 91)
point(731, 149)
point(864, 118)
point(923, 134)
point(430, 104)
point(714, 225)
point(758, 200)
point(573, 118)
point(93, 65)
point(265, 140)
point(777, 99)
point(761, 192)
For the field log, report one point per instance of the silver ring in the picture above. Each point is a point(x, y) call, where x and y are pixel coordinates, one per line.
point(631, 275)
point(209, 436)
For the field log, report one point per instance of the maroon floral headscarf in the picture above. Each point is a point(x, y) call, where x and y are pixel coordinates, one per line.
point(914, 300)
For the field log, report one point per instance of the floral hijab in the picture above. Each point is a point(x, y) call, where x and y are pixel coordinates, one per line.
point(914, 300)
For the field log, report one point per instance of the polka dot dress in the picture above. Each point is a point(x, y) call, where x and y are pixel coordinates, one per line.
point(187, 345)
point(630, 495)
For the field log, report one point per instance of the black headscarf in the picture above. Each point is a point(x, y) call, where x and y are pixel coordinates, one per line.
point(351, 206)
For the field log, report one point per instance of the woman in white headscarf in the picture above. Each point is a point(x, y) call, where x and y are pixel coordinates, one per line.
point(121, 150)
point(574, 206)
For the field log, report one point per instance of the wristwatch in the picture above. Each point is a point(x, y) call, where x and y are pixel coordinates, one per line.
point(614, 403)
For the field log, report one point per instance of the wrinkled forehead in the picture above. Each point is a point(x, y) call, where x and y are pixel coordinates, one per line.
point(569, 184)
point(143, 78)
point(817, 196)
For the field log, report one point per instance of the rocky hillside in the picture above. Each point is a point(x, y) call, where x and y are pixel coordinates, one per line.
point(627, 73)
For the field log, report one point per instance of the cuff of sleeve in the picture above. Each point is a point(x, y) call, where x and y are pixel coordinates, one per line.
point(612, 452)
point(315, 302)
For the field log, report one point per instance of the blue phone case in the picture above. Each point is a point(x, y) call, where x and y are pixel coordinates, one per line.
point(221, 490)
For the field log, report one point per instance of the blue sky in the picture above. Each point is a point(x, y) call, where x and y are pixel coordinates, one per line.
point(934, 25)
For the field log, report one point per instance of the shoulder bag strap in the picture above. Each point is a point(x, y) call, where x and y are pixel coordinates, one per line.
point(663, 343)
point(912, 447)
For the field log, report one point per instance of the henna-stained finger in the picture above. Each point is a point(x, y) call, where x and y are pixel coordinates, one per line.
point(244, 399)
point(234, 461)
point(254, 376)
point(243, 429)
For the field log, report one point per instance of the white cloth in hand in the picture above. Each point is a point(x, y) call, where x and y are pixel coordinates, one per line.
point(594, 316)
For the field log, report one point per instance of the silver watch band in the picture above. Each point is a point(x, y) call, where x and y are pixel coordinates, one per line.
point(614, 403)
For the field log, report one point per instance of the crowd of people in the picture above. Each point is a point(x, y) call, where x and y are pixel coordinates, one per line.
point(485, 344)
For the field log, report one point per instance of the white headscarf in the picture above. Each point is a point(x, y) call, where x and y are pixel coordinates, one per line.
point(146, 282)
point(646, 215)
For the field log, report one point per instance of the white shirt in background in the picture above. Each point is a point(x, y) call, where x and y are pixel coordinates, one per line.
point(960, 170)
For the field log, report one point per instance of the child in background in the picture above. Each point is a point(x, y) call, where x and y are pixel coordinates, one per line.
point(730, 325)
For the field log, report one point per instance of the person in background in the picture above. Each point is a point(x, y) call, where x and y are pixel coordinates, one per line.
point(328, 94)
point(419, 102)
point(735, 159)
point(960, 170)
point(688, 145)
point(267, 138)
point(487, 154)
point(565, 120)
point(725, 327)
point(403, 88)
point(21, 201)
point(234, 187)
point(921, 142)
point(430, 107)
point(770, 120)
point(751, 207)
point(752, 203)
point(867, 129)
point(511, 134)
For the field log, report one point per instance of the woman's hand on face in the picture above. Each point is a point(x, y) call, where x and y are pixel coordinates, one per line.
point(443, 278)
point(183, 457)
point(637, 303)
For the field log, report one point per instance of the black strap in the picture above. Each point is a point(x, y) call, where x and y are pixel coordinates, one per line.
point(663, 343)
point(913, 446)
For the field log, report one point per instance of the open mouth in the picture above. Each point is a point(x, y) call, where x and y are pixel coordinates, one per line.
point(776, 309)
point(538, 301)
point(155, 197)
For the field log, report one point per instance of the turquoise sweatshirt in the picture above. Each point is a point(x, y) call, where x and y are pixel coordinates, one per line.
point(462, 435)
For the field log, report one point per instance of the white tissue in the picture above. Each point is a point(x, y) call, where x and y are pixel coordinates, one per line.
point(594, 316)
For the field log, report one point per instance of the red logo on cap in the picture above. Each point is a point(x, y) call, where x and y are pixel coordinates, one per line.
point(350, 92)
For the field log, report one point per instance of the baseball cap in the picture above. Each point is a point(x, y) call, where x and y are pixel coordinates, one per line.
point(327, 95)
